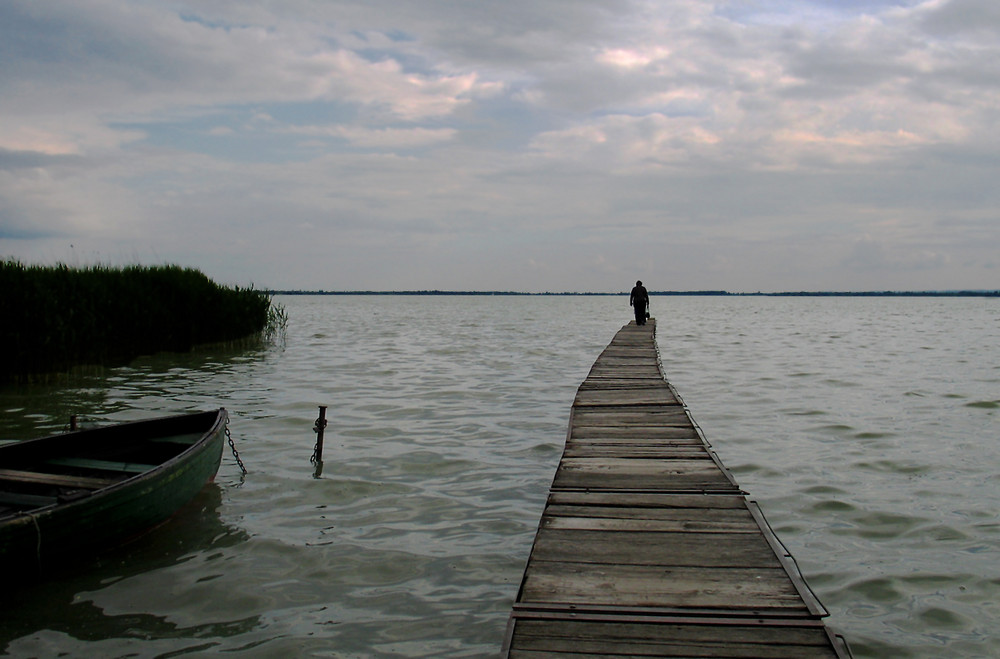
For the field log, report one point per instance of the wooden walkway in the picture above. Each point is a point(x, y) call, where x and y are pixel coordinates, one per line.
point(647, 547)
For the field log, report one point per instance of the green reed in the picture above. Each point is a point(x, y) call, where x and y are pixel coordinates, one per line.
point(53, 318)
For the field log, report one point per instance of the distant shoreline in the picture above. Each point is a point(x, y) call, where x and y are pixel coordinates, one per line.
point(960, 293)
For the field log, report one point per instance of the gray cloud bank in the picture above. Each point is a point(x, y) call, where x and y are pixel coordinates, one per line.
point(508, 145)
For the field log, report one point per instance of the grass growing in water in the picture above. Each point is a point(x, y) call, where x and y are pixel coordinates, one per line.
point(57, 317)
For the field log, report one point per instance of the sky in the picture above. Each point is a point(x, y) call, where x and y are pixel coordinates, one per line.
point(516, 145)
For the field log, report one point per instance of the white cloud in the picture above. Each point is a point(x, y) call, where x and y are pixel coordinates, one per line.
point(61, 95)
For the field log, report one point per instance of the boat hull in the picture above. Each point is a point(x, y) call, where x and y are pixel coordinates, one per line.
point(81, 522)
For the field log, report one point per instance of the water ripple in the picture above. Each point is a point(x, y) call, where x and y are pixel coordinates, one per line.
point(864, 428)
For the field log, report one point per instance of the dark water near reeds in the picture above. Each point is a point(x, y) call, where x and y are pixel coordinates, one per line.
point(867, 428)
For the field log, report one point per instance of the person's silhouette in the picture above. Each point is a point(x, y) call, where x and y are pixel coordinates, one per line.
point(639, 299)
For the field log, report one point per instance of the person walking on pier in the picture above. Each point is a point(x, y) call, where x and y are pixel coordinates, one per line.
point(639, 299)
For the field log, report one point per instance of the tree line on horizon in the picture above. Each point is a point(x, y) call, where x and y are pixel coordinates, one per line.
point(945, 293)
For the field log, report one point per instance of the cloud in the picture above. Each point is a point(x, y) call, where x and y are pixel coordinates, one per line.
point(380, 138)
point(158, 63)
point(970, 18)
point(710, 141)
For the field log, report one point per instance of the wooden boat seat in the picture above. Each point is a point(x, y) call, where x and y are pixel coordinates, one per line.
point(185, 440)
point(101, 465)
point(59, 480)
point(22, 500)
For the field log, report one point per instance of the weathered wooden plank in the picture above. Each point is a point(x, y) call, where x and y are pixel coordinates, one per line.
point(635, 344)
point(624, 364)
point(661, 452)
point(630, 339)
point(640, 483)
point(650, 433)
point(647, 368)
point(622, 396)
point(630, 448)
point(611, 383)
point(631, 416)
point(700, 468)
point(696, 468)
point(629, 352)
point(659, 548)
point(101, 465)
point(672, 409)
point(631, 343)
point(732, 638)
point(636, 440)
point(621, 379)
point(560, 519)
point(22, 500)
point(614, 384)
point(679, 433)
point(644, 450)
point(57, 480)
point(657, 586)
point(638, 372)
point(628, 358)
point(661, 423)
point(652, 501)
point(632, 425)
point(722, 515)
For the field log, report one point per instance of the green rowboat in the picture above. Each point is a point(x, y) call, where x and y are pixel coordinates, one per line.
point(74, 494)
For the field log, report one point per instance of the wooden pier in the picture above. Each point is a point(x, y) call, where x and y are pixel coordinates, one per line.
point(647, 547)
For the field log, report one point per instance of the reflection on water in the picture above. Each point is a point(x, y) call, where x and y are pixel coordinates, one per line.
point(865, 428)
point(61, 599)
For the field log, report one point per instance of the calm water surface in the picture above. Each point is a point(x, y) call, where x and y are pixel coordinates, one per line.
point(866, 428)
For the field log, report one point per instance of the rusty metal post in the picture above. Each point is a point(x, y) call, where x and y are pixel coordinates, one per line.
point(317, 456)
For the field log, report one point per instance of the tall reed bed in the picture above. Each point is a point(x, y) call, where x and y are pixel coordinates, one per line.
point(55, 317)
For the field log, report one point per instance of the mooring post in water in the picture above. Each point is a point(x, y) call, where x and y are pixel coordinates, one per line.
point(317, 456)
point(72, 422)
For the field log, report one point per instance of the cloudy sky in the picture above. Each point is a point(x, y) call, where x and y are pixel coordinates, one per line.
point(553, 145)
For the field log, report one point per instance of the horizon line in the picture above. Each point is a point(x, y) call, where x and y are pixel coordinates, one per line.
point(718, 293)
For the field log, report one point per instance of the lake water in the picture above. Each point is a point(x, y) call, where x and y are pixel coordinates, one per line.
point(867, 428)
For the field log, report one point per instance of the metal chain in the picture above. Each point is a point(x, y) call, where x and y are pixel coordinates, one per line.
point(236, 454)
point(319, 425)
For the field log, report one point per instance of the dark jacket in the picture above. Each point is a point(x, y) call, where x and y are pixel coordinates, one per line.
point(639, 296)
